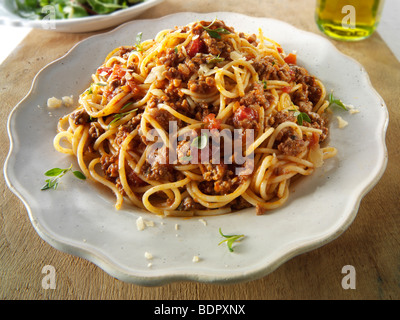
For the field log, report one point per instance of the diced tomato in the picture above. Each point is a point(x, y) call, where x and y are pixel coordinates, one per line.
point(245, 113)
point(196, 46)
point(286, 89)
point(280, 50)
point(212, 122)
point(291, 58)
point(108, 70)
point(118, 72)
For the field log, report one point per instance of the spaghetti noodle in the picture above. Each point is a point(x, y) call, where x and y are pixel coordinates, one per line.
point(210, 84)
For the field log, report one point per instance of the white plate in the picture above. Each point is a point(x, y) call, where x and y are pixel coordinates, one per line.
point(76, 25)
point(80, 219)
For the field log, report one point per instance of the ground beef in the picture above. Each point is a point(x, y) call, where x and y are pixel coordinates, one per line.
point(171, 58)
point(109, 165)
point(207, 187)
point(159, 172)
point(281, 117)
point(184, 71)
point(207, 44)
point(80, 117)
point(95, 130)
point(172, 73)
point(287, 141)
point(254, 97)
point(310, 94)
point(219, 179)
point(246, 118)
point(124, 52)
point(251, 38)
point(223, 186)
point(202, 110)
point(132, 178)
point(260, 210)
point(121, 134)
point(126, 129)
point(183, 151)
point(188, 204)
point(133, 123)
point(318, 122)
point(163, 117)
point(292, 145)
point(239, 203)
point(203, 85)
point(213, 171)
point(268, 69)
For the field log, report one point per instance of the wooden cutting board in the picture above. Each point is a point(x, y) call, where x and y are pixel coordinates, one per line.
point(370, 244)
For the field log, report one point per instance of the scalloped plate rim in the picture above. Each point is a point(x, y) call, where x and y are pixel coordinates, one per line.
point(111, 268)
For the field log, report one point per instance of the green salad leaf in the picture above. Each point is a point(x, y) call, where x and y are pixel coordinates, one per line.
point(69, 9)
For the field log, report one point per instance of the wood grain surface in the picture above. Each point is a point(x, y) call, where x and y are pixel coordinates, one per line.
point(370, 244)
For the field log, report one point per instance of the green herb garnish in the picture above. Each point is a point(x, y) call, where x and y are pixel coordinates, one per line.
point(118, 116)
point(200, 142)
point(138, 43)
point(215, 33)
point(215, 59)
point(230, 239)
point(126, 106)
point(264, 84)
point(332, 100)
point(57, 174)
point(301, 116)
point(90, 89)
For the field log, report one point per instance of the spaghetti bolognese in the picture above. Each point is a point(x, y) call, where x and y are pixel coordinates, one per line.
point(213, 84)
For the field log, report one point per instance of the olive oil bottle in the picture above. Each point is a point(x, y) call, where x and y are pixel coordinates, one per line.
point(349, 20)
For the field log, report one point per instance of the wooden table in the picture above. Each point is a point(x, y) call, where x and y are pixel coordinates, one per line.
point(370, 244)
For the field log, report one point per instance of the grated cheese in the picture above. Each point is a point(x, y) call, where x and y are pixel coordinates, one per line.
point(53, 103)
point(140, 224)
point(342, 123)
point(204, 222)
point(68, 101)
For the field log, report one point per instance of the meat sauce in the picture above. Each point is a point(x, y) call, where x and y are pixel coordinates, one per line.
point(218, 178)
